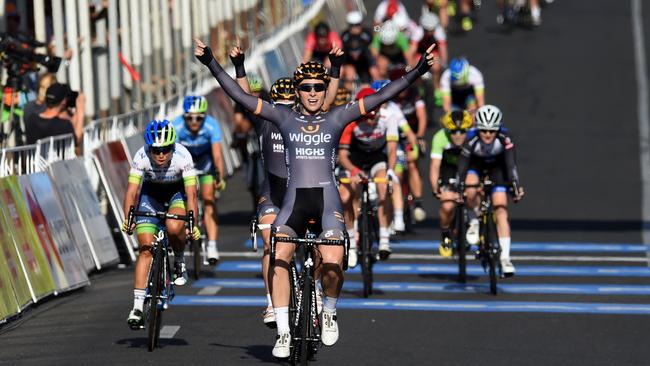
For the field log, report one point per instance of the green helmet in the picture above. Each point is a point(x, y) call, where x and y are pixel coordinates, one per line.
point(195, 104)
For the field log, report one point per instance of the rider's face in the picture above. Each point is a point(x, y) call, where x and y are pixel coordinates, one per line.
point(312, 94)
point(194, 121)
point(458, 138)
point(162, 155)
point(487, 136)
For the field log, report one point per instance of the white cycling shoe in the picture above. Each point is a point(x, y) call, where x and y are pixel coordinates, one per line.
point(268, 317)
point(330, 328)
point(213, 254)
point(282, 348)
point(398, 224)
point(507, 268)
point(472, 235)
point(384, 250)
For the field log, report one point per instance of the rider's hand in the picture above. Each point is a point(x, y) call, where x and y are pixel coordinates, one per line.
point(196, 233)
point(519, 194)
point(336, 59)
point(436, 191)
point(357, 175)
point(237, 55)
point(414, 153)
point(126, 228)
point(392, 176)
point(426, 61)
point(220, 185)
point(202, 52)
point(422, 143)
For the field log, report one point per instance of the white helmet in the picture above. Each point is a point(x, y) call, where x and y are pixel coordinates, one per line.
point(401, 20)
point(429, 21)
point(354, 17)
point(488, 117)
point(388, 33)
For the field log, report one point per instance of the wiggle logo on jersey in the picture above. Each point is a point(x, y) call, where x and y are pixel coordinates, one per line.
point(310, 128)
point(310, 139)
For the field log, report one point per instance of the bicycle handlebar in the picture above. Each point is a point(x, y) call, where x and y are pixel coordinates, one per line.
point(367, 180)
point(189, 218)
point(286, 239)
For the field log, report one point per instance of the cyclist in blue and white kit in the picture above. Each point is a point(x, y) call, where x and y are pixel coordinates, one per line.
point(167, 174)
point(201, 135)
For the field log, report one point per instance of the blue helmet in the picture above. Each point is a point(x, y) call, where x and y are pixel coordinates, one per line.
point(195, 104)
point(459, 69)
point(378, 84)
point(159, 133)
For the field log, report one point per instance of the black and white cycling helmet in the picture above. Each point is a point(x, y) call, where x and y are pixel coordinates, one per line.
point(488, 117)
point(354, 18)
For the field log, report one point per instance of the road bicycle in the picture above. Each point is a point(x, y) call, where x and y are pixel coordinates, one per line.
point(160, 285)
point(304, 322)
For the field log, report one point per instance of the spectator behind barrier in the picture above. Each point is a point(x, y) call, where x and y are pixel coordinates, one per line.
point(319, 43)
point(49, 123)
point(38, 106)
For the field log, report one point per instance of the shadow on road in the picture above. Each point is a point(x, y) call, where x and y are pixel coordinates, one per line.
point(446, 278)
point(141, 342)
point(561, 225)
point(258, 351)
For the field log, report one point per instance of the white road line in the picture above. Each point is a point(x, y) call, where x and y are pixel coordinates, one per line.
point(542, 258)
point(169, 331)
point(209, 290)
point(644, 117)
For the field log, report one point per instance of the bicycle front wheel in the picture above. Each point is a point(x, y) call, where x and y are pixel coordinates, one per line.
point(460, 244)
point(493, 250)
point(366, 255)
point(155, 285)
point(196, 253)
point(306, 320)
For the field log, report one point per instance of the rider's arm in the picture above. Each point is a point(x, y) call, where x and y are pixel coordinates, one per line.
point(421, 114)
point(463, 161)
point(135, 177)
point(369, 103)
point(215, 141)
point(391, 150)
point(445, 89)
point(190, 182)
point(344, 149)
point(434, 173)
point(253, 104)
point(476, 79)
point(509, 155)
point(130, 196)
point(310, 42)
point(335, 73)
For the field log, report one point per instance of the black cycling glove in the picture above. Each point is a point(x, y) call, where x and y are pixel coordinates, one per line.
point(238, 61)
point(336, 61)
point(207, 57)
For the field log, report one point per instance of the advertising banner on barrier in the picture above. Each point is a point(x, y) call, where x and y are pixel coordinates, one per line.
point(8, 304)
point(89, 227)
point(133, 144)
point(25, 238)
point(113, 166)
point(49, 220)
point(16, 275)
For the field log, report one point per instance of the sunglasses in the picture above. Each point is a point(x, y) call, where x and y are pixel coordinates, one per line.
point(489, 132)
point(319, 87)
point(194, 117)
point(459, 131)
point(161, 150)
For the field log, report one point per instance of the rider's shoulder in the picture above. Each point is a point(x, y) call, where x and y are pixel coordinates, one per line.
point(181, 150)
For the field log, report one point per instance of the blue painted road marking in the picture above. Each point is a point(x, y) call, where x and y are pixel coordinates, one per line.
point(526, 288)
point(472, 269)
point(427, 305)
point(534, 247)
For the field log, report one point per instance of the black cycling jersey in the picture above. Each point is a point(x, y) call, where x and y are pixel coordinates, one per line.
point(311, 143)
point(499, 155)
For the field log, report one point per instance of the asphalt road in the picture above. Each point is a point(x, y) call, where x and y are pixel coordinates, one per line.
point(568, 93)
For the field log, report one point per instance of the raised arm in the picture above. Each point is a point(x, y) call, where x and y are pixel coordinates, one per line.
point(336, 60)
point(389, 91)
point(251, 103)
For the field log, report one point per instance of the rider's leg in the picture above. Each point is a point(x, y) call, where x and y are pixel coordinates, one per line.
point(446, 212)
point(535, 12)
point(398, 200)
point(279, 284)
point(266, 236)
point(415, 182)
point(500, 204)
point(346, 190)
point(384, 232)
point(472, 202)
point(332, 280)
point(210, 215)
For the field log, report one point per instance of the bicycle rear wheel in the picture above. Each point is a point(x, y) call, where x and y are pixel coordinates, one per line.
point(493, 250)
point(155, 312)
point(198, 260)
point(460, 244)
